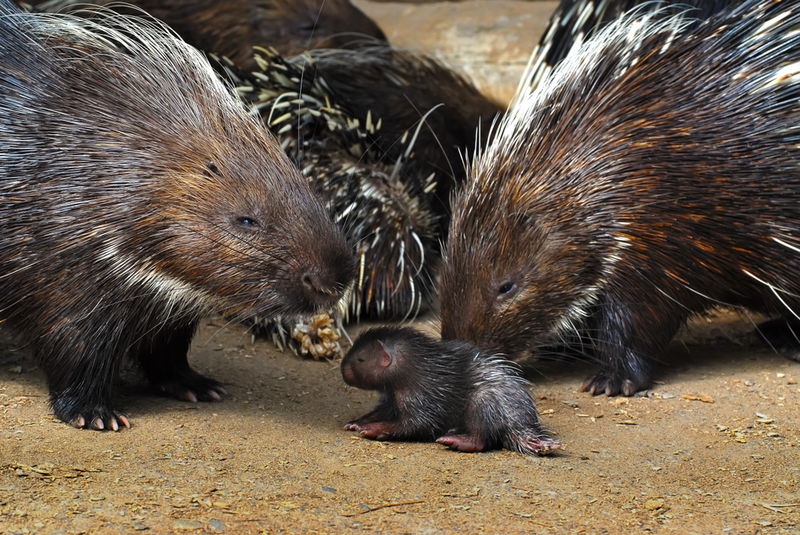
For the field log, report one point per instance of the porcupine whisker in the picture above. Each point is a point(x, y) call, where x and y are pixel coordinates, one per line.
point(270, 254)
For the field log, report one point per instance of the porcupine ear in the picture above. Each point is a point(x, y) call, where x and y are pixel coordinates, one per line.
point(387, 356)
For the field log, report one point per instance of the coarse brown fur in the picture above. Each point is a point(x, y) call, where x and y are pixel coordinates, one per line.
point(652, 176)
point(232, 27)
point(136, 196)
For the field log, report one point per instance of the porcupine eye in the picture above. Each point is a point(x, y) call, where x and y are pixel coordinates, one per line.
point(506, 290)
point(211, 168)
point(246, 222)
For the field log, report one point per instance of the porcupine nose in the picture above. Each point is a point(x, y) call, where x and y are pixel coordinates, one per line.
point(324, 284)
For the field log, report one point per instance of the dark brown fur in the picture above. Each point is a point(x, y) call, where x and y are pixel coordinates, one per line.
point(232, 27)
point(137, 196)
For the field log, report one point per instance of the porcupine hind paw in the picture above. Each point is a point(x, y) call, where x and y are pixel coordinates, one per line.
point(612, 384)
point(532, 444)
point(465, 443)
point(188, 385)
point(373, 430)
point(89, 416)
point(783, 336)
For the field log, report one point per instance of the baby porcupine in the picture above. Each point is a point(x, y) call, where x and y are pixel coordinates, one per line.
point(137, 195)
point(653, 175)
point(448, 391)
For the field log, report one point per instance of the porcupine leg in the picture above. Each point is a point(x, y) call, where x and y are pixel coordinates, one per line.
point(501, 414)
point(81, 380)
point(627, 336)
point(166, 366)
point(378, 424)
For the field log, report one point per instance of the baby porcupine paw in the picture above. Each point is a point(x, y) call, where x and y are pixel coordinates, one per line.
point(96, 417)
point(190, 386)
point(465, 443)
point(372, 430)
point(613, 384)
point(538, 445)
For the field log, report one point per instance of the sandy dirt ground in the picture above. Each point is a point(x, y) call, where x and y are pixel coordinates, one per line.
point(714, 447)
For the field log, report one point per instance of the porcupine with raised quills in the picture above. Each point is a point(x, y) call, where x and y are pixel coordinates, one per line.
point(137, 195)
point(443, 390)
point(652, 176)
point(386, 174)
point(574, 21)
point(231, 28)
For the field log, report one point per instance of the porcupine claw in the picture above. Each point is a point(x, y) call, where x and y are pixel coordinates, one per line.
point(612, 386)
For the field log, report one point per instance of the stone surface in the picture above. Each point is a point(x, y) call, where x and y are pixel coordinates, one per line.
point(490, 41)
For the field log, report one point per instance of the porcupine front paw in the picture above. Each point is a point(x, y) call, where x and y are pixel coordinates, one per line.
point(465, 443)
point(188, 385)
point(87, 415)
point(612, 384)
point(373, 430)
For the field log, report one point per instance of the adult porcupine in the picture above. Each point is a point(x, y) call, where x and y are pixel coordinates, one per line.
point(653, 175)
point(231, 28)
point(136, 195)
point(443, 390)
point(377, 132)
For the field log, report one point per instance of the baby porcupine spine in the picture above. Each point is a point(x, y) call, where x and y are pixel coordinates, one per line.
point(653, 175)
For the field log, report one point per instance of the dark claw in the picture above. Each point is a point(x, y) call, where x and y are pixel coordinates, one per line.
point(612, 386)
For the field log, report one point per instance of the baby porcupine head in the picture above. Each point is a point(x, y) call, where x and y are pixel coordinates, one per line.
point(154, 170)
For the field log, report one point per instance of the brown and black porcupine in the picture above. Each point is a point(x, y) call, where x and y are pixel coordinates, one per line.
point(136, 195)
point(443, 390)
point(377, 132)
point(232, 27)
point(652, 176)
point(574, 21)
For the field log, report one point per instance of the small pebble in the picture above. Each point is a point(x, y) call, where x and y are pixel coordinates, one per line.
point(185, 524)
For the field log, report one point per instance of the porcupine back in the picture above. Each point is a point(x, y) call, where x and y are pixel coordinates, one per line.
point(233, 27)
point(137, 195)
point(575, 21)
point(652, 175)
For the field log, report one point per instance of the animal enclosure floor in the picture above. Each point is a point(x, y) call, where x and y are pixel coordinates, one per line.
point(713, 448)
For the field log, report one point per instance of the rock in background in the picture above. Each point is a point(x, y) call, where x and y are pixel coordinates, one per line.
point(489, 40)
